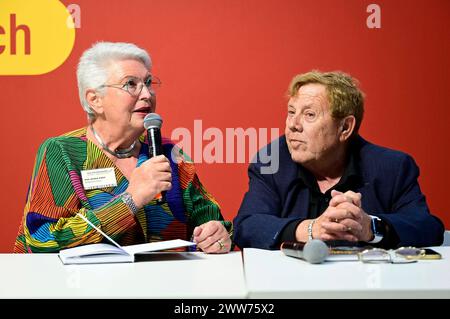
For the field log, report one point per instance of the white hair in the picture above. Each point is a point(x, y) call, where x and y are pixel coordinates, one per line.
point(93, 65)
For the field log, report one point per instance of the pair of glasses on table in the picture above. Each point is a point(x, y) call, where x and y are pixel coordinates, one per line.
point(402, 255)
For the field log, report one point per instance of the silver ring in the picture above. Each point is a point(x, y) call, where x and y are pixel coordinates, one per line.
point(221, 244)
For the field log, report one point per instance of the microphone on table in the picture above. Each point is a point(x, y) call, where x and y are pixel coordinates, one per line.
point(152, 123)
point(314, 251)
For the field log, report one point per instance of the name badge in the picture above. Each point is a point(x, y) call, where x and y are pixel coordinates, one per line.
point(98, 178)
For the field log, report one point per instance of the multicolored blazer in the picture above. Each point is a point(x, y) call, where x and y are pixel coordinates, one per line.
point(56, 195)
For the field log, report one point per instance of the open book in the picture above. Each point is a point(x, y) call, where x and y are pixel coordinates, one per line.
point(107, 253)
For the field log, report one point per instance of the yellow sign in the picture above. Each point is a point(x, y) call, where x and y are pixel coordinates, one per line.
point(36, 37)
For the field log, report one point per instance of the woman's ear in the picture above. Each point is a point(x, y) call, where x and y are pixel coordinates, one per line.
point(347, 127)
point(94, 100)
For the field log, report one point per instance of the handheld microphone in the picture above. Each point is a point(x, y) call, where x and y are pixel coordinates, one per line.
point(152, 123)
point(314, 251)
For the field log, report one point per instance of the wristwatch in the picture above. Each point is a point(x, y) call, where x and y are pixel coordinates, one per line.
point(378, 229)
point(128, 200)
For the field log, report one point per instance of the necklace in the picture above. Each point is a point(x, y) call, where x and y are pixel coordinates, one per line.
point(119, 153)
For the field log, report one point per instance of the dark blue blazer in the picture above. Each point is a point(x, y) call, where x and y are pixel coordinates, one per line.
point(388, 186)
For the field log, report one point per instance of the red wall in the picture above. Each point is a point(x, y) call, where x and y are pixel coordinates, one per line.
point(228, 63)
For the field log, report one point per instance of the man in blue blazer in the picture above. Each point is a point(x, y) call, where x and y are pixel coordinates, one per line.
point(329, 183)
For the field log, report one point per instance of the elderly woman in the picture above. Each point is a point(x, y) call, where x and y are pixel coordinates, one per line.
point(117, 90)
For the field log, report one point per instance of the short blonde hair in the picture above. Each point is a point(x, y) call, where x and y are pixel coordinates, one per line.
point(343, 93)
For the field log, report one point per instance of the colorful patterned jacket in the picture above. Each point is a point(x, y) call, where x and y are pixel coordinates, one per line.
point(56, 195)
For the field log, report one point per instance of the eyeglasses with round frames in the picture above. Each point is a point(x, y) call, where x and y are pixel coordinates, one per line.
point(400, 255)
point(134, 85)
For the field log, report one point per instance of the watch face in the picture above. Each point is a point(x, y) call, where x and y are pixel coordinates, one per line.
point(377, 226)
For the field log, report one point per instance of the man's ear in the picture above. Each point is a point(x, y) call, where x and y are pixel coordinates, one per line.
point(347, 127)
point(95, 100)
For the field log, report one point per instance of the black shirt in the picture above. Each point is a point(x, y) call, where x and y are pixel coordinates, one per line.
point(318, 201)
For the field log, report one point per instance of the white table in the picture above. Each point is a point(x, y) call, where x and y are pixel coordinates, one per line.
point(271, 274)
point(172, 275)
point(268, 274)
